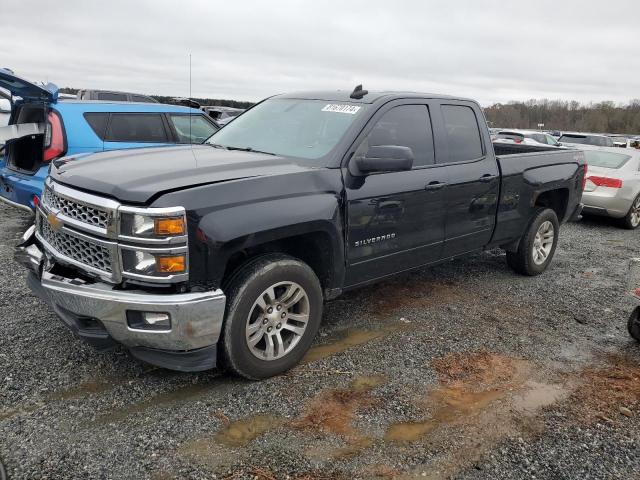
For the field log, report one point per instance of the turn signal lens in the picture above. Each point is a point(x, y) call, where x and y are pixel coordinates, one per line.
point(174, 264)
point(169, 226)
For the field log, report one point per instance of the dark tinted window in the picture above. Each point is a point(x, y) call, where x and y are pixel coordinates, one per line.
point(463, 134)
point(405, 126)
point(137, 127)
point(142, 98)
point(596, 140)
point(98, 122)
point(115, 97)
point(192, 128)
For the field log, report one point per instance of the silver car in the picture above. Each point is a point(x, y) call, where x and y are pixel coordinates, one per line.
point(612, 186)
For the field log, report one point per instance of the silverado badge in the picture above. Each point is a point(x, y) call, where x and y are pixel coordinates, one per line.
point(54, 222)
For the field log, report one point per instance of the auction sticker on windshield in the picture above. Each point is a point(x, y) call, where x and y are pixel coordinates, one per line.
point(332, 107)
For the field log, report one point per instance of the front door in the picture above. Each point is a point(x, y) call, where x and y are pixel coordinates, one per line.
point(396, 219)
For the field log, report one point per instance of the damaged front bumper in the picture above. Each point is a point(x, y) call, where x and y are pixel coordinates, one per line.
point(101, 314)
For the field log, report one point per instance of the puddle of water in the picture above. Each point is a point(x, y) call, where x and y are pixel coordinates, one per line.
point(180, 395)
point(93, 387)
point(241, 432)
point(365, 383)
point(538, 395)
point(451, 404)
point(352, 338)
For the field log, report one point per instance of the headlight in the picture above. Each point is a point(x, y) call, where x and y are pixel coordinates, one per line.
point(154, 264)
point(152, 223)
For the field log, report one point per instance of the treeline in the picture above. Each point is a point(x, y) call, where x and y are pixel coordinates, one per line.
point(604, 117)
point(170, 100)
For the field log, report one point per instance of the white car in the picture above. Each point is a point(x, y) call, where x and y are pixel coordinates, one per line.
point(586, 139)
point(526, 137)
point(612, 186)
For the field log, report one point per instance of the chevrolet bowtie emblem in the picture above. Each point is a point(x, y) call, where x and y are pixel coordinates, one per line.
point(54, 222)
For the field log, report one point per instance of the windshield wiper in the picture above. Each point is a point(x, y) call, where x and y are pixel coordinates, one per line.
point(241, 149)
point(249, 149)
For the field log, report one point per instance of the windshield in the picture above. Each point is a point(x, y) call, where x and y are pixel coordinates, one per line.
point(307, 129)
point(605, 159)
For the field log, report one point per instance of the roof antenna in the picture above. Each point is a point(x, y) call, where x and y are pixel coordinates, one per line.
point(358, 93)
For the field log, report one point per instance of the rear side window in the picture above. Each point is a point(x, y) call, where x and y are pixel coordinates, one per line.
point(539, 137)
point(192, 128)
point(605, 159)
point(98, 123)
point(404, 126)
point(137, 127)
point(112, 97)
point(463, 134)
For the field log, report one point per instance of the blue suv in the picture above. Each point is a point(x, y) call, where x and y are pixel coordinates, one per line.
point(42, 129)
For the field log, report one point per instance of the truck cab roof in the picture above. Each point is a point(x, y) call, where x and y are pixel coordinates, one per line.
point(368, 98)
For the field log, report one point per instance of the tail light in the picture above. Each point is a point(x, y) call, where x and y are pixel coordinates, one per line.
point(606, 182)
point(584, 177)
point(54, 144)
point(517, 140)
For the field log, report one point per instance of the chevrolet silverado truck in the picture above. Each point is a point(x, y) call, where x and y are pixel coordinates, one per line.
point(223, 253)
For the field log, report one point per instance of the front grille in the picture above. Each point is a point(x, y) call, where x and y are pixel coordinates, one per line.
point(78, 249)
point(90, 215)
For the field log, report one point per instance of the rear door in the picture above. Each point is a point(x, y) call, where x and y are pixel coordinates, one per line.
point(395, 220)
point(474, 180)
point(131, 129)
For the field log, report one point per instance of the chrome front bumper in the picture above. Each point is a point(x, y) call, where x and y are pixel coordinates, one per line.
point(98, 313)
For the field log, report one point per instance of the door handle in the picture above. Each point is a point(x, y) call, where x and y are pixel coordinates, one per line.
point(434, 185)
point(487, 177)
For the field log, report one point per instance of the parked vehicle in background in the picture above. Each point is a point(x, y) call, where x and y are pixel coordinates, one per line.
point(225, 251)
point(555, 133)
point(222, 115)
point(114, 96)
point(5, 108)
point(586, 139)
point(45, 129)
point(527, 137)
point(620, 141)
point(613, 184)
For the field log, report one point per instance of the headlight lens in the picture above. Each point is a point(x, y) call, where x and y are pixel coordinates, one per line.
point(150, 264)
point(152, 226)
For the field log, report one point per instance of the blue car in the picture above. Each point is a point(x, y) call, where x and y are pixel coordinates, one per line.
point(42, 128)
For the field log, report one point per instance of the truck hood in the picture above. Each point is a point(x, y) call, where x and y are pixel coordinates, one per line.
point(137, 175)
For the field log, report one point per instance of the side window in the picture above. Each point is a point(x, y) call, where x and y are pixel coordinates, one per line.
point(142, 98)
point(98, 123)
point(137, 127)
point(405, 126)
point(551, 140)
point(199, 130)
point(463, 133)
point(112, 97)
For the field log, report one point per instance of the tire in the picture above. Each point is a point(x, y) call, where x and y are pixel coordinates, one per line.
point(528, 260)
point(631, 220)
point(633, 324)
point(273, 282)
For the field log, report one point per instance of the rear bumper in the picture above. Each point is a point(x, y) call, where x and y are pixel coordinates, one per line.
point(97, 313)
point(18, 190)
point(597, 203)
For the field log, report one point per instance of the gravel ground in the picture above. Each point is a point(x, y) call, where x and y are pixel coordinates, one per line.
point(465, 370)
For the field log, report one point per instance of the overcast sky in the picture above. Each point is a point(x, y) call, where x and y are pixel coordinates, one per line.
point(249, 49)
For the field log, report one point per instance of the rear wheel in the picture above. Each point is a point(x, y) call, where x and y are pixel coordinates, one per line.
point(633, 325)
point(632, 219)
point(274, 310)
point(537, 245)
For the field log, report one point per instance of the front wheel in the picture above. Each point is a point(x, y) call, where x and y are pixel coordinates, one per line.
point(537, 245)
point(632, 218)
point(274, 310)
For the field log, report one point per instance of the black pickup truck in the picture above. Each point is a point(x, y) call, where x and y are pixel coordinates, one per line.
point(223, 253)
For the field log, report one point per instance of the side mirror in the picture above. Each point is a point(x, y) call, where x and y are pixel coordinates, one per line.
point(385, 158)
